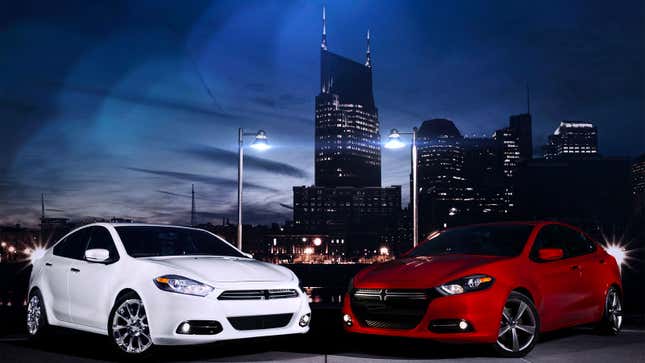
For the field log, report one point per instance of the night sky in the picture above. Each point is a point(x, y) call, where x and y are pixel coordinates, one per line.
point(115, 108)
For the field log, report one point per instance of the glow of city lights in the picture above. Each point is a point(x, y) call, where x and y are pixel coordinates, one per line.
point(384, 251)
point(309, 251)
point(394, 140)
point(261, 142)
point(12, 249)
point(317, 241)
point(3, 244)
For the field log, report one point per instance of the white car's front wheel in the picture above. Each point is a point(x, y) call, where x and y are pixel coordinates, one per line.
point(36, 316)
point(128, 326)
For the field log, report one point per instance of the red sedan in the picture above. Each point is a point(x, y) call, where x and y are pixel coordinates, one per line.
point(501, 284)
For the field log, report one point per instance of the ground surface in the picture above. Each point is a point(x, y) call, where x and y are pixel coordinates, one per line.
point(327, 343)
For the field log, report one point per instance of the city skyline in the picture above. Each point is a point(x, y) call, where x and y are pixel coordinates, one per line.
point(115, 140)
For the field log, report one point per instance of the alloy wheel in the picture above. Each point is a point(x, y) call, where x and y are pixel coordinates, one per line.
point(614, 310)
point(33, 315)
point(518, 326)
point(130, 329)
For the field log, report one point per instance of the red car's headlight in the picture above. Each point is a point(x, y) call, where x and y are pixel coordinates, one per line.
point(466, 284)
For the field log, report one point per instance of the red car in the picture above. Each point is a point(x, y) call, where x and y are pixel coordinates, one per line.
point(500, 284)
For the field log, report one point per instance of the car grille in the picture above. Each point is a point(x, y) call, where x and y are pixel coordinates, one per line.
point(258, 294)
point(390, 308)
point(260, 321)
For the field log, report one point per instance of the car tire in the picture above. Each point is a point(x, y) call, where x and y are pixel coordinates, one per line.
point(128, 329)
point(36, 317)
point(519, 327)
point(612, 317)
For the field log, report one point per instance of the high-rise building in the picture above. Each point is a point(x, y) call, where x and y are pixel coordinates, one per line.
point(484, 179)
point(509, 150)
point(347, 203)
point(638, 183)
point(440, 173)
point(360, 220)
point(521, 127)
point(585, 192)
point(572, 139)
point(348, 145)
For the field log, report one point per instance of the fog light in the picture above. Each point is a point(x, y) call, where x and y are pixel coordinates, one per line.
point(185, 328)
point(304, 320)
point(347, 319)
point(463, 325)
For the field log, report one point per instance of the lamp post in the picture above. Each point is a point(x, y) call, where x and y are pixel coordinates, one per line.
point(260, 143)
point(395, 142)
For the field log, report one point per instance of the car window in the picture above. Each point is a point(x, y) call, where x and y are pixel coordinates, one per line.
point(550, 236)
point(489, 240)
point(100, 238)
point(577, 243)
point(149, 241)
point(73, 246)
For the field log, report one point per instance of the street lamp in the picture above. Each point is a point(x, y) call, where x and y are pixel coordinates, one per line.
point(260, 143)
point(394, 142)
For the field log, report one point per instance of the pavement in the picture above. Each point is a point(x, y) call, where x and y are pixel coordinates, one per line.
point(327, 343)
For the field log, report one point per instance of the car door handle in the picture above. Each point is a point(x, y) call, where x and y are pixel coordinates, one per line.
point(602, 261)
point(575, 267)
point(73, 269)
point(48, 264)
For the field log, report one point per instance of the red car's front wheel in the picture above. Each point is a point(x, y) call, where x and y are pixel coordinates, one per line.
point(519, 326)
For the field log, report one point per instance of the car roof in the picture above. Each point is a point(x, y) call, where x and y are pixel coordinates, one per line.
point(123, 224)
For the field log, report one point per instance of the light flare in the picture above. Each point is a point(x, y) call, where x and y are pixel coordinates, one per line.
point(619, 250)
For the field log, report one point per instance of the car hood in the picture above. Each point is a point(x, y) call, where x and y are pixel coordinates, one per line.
point(224, 269)
point(422, 271)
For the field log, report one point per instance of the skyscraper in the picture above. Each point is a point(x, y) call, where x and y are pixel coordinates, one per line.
point(521, 127)
point(638, 182)
point(572, 139)
point(348, 151)
point(440, 173)
point(347, 202)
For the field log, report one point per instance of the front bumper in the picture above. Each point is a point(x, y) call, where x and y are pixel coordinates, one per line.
point(166, 311)
point(481, 309)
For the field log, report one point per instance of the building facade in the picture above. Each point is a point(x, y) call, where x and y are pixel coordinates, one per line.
point(347, 138)
point(440, 173)
point(572, 139)
point(346, 208)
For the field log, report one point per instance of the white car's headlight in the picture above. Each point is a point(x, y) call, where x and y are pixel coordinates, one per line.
point(182, 285)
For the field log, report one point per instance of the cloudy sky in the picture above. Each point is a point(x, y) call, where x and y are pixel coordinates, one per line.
point(114, 108)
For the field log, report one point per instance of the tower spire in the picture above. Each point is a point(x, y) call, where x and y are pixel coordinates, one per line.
point(528, 99)
point(192, 209)
point(323, 44)
point(42, 206)
point(368, 61)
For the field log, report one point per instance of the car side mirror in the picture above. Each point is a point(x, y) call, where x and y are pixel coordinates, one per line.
point(97, 255)
point(550, 254)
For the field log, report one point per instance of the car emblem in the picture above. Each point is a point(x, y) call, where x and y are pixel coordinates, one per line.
point(382, 295)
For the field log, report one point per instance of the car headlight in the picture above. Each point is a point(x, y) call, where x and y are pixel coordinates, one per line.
point(466, 284)
point(182, 285)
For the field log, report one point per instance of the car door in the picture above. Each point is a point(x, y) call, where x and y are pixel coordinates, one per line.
point(89, 281)
point(559, 280)
point(581, 253)
point(65, 253)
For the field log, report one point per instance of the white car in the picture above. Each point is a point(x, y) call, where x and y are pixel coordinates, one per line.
point(145, 285)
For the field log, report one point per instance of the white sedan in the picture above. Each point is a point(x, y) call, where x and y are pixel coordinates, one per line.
point(145, 285)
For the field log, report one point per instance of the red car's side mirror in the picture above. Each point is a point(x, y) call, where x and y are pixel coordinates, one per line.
point(550, 254)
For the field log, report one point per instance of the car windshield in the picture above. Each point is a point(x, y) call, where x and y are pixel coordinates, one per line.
point(150, 241)
point(489, 240)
